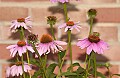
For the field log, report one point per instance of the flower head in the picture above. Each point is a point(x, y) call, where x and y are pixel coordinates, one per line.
point(51, 20)
point(47, 45)
point(20, 48)
point(32, 38)
point(16, 69)
point(93, 43)
point(92, 13)
point(62, 1)
point(21, 22)
point(70, 25)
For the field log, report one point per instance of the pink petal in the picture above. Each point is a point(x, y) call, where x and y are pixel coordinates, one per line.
point(89, 50)
point(63, 25)
point(30, 49)
point(60, 42)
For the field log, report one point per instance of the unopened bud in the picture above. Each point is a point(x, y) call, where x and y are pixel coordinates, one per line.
point(92, 13)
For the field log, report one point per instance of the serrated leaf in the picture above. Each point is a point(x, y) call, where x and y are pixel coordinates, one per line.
point(50, 69)
point(74, 64)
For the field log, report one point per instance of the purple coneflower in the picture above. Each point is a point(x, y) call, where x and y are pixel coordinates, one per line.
point(62, 1)
point(47, 45)
point(21, 22)
point(16, 70)
point(93, 43)
point(70, 25)
point(20, 47)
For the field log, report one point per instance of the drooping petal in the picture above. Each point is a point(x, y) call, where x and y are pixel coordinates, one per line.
point(30, 49)
point(89, 49)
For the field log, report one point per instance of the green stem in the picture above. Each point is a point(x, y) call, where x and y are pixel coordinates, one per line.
point(52, 31)
point(62, 64)
point(91, 25)
point(70, 47)
point(22, 34)
point(110, 76)
point(17, 57)
point(36, 51)
point(65, 12)
point(28, 59)
point(59, 60)
point(21, 38)
point(23, 66)
point(95, 68)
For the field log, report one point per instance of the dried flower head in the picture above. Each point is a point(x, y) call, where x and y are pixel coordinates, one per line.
point(51, 20)
point(32, 38)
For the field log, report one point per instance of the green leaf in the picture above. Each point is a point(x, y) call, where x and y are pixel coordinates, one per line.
point(99, 74)
point(35, 62)
point(116, 75)
point(68, 74)
point(50, 69)
point(62, 54)
point(74, 64)
point(37, 73)
point(80, 69)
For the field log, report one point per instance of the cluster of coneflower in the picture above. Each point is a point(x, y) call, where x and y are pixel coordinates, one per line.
point(49, 44)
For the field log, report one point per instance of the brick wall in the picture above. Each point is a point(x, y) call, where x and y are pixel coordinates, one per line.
point(108, 18)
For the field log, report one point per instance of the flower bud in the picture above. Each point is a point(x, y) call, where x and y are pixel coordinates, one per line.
point(92, 13)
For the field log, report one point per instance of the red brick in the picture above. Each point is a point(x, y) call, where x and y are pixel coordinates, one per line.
point(108, 15)
point(97, 2)
point(77, 15)
point(113, 52)
point(12, 13)
point(40, 14)
point(4, 66)
point(4, 53)
point(104, 33)
point(113, 70)
point(40, 30)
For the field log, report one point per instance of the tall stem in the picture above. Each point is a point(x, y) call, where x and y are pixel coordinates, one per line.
point(52, 31)
point(87, 56)
point(70, 47)
point(65, 12)
point(95, 68)
point(22, 38)
point(36, 51)
point(23, 66)
point(91, 25)
point(28, 59)
point(69, 33)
